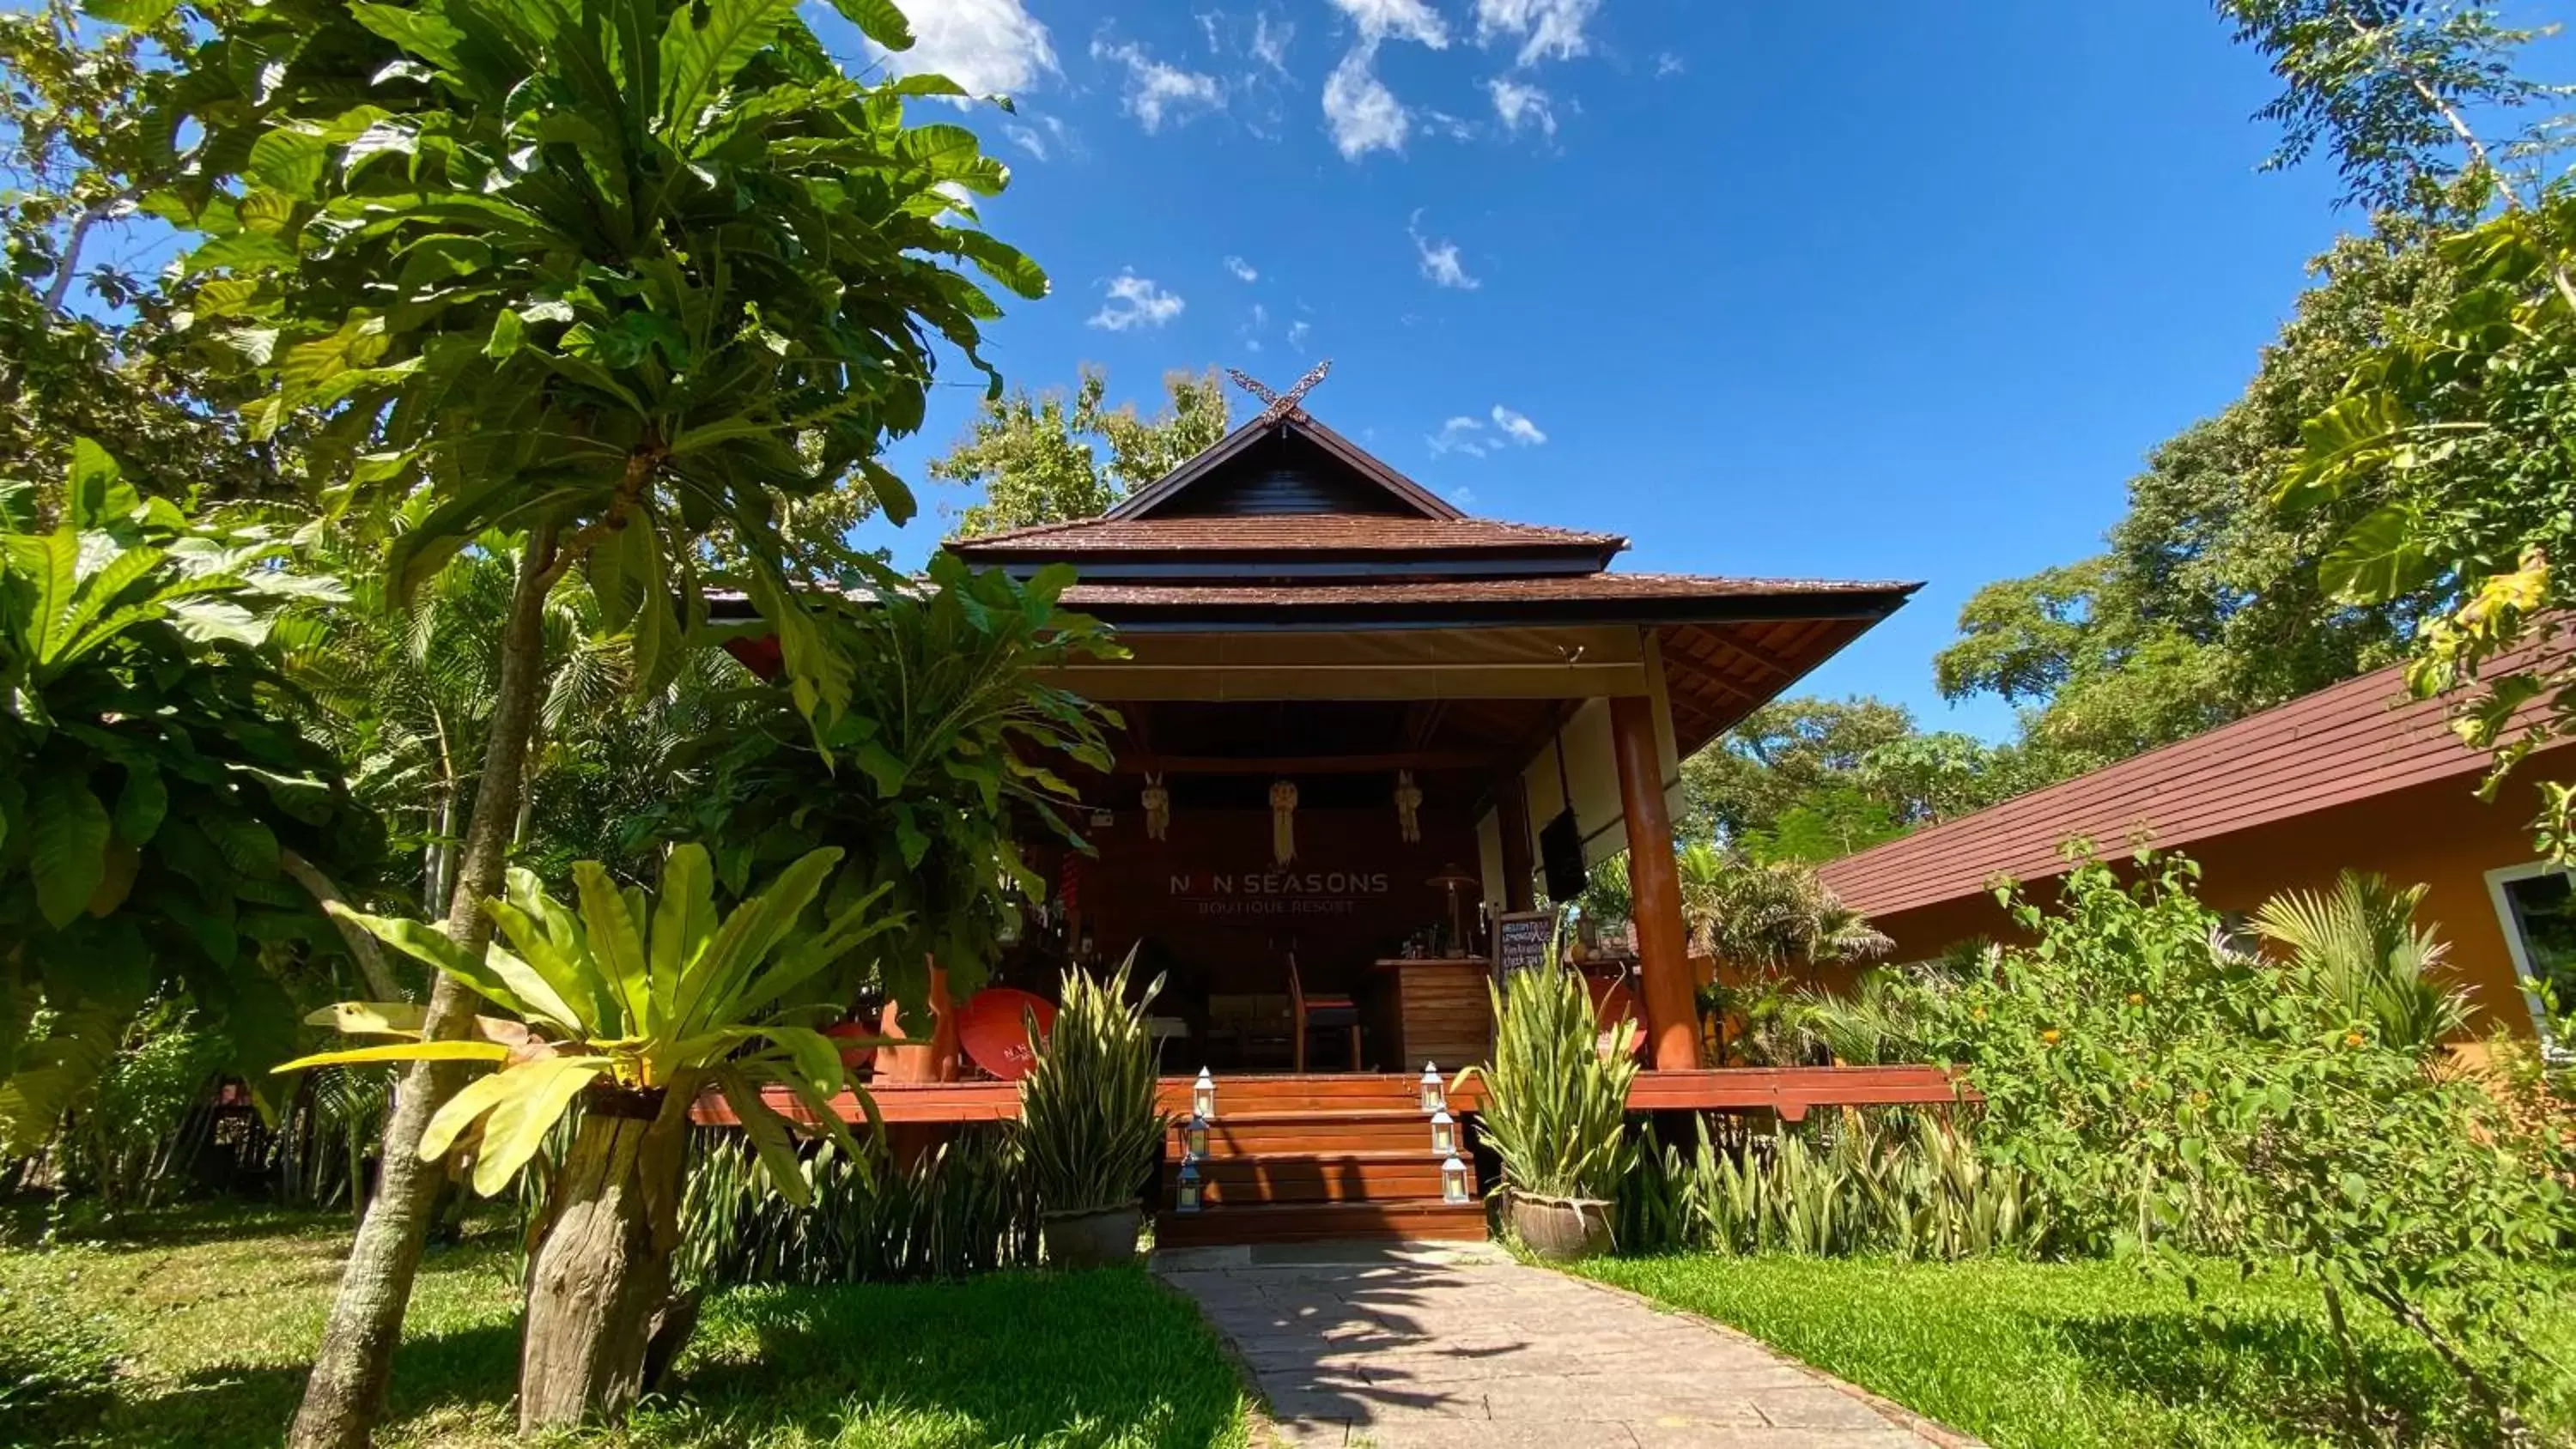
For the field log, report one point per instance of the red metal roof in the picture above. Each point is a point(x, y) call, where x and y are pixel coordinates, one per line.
point(2350, 741)
point(1300, 533)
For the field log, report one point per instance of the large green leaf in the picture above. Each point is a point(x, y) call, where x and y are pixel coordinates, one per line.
point(538, 1094)
point(2381, 557)
point(705, 44)
point(616, 944)
point(67, 833)
point(878, 20)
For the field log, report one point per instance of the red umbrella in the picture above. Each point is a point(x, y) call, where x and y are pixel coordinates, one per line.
point(994, 1030)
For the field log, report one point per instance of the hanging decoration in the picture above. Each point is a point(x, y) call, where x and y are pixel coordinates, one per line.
point(1408, 807)
point(1158, 807)
point(1283, 822)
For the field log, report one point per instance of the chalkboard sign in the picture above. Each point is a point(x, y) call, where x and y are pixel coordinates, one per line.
point(1520, 942)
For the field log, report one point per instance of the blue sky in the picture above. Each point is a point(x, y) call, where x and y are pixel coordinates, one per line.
point(1877, 291)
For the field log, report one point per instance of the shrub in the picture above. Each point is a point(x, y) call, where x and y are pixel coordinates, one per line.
point(58, 1366)
point(1907, 1183)
point(963, 1207)
point(1556, 1093)
point(2174, 1097)
point(1090, 1120)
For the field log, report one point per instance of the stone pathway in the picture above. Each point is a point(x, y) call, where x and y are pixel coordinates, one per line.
point(1438, 1348)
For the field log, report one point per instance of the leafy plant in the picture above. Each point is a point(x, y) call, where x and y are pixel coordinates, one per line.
point(2362, 948)
point(1090, 1120)
point(961, 1207)
point(632, 1005)
point(946, 752)
point(154, 790)
point(631, 280)
point(1556, 1093)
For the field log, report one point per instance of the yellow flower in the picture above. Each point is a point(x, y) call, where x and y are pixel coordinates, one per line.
point(2352, 1038)
point(2200, 1099)
point(2049, 1036)
point(2137, 999)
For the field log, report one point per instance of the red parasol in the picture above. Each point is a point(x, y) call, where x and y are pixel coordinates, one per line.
point(994, 1030)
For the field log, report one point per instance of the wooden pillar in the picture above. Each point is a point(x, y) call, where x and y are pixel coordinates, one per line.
point(1655, 888)
point(1511, 816)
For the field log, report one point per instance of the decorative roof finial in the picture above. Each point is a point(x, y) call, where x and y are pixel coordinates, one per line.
point(1282, 405)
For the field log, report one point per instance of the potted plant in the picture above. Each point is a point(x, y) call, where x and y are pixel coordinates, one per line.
point(1090, 1121)
point(1556, 1111)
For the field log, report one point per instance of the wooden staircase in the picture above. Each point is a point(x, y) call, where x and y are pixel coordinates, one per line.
point(1314, 1158)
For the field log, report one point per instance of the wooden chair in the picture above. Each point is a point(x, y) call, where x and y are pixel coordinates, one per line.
point(1326, 1012)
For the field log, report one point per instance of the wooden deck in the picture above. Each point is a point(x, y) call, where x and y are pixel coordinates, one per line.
point(1790, 1091)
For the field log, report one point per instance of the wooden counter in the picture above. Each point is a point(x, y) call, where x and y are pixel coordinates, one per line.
point(1433, 1009)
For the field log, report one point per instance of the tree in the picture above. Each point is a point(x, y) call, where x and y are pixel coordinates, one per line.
point(86, 345)
point(157, 799)
point(2441, 471)
point(1037, 458)
point(621, 278)
point(1812, 779)
point(632, 1005)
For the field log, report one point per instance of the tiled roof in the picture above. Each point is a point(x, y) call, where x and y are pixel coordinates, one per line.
point(1336, 532)
point(1558, 588)
point(2351, 741)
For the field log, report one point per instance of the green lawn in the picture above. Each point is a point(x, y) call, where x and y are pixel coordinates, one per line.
point(209, 1316)
point(2065, 1355)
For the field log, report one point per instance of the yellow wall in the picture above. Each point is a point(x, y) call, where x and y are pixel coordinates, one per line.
point(2440, 835)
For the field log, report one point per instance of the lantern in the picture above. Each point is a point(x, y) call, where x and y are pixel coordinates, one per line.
point(1444, 1135)
point(1190, 1193)
point(1194, 1137)
point(1203, 1096)
point(1453, 1180)
point(1434, 1097)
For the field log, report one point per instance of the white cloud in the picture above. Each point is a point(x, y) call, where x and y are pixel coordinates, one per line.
point(1041, 139)
point(1520, 105)
point(1544, 27)
point(1256, 324)
point(1270, 42)
point(1135, 301)
point(1412, 20)
point(1667, 63)
point(1456, 128)
point(1463, 497)
point(1517, 427)
point(1297, 332)
point(1156, 90)
point(1243, 270)
point(1364, 115)
point(1439, 258)
point(1461, 435)
point(987, 46)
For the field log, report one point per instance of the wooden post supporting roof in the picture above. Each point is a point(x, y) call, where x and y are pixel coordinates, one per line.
point(1655, 889)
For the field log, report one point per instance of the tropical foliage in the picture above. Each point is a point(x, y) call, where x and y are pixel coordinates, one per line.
point(949, 735)
point(1090, 1121)
point(2361, 945)
point(634, 1005)
point(957, 1208)
point(153, 788)
point(1812, 779)
point(2170, 1097)
point(1556, 1092)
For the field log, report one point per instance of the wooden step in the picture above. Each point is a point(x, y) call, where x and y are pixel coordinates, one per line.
point(1322, 1177)
point(1309, 1136)
point(1256, 1093)
point(1321, 1222)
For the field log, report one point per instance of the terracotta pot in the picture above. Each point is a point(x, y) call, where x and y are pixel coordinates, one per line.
point(1561, 1229)
point(1093, 1238)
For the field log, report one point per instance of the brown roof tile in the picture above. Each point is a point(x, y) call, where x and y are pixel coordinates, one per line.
point(1335, 532)
point(1595, 588)
point(2347, 742)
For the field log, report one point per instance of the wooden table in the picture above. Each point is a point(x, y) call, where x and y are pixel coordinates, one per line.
point(1434, 1009)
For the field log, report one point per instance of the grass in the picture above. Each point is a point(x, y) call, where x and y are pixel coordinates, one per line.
point(193, 1327)
point(2070, 1355)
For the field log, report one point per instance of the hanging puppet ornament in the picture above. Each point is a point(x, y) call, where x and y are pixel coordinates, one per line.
point(1283, 822)
point(1408, 807)
point(1158, 808)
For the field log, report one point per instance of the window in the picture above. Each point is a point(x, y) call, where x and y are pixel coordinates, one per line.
point(2537, 906)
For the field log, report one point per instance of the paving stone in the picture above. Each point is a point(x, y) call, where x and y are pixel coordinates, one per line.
point(1359, 1349)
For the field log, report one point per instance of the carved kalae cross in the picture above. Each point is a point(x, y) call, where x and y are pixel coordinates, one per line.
point(1281, 404)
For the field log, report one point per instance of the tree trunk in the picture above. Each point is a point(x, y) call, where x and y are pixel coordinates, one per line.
point(346, 1394)
point(602, 1275)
